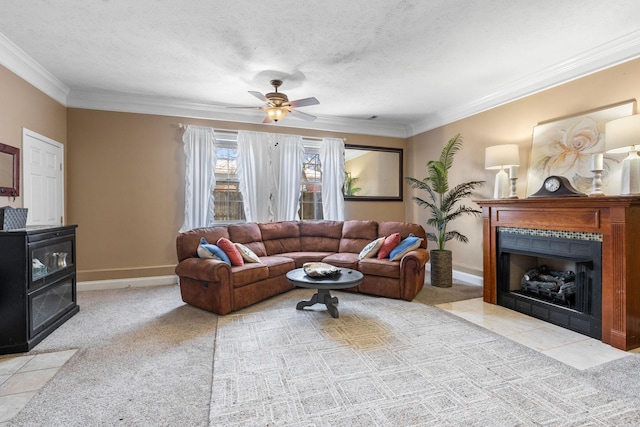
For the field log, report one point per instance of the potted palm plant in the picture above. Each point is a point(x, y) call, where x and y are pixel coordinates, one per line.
point(444, 205)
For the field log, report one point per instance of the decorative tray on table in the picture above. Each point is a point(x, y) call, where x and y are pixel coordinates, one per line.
point(320, 269)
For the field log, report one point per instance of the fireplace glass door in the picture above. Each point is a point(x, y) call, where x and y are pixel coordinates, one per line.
point(556, 279)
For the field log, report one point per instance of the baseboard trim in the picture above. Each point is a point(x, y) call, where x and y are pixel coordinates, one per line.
point(471, 279)
point(137, 282)
point(468, 278)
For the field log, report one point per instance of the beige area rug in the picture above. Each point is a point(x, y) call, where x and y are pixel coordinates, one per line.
point(390, 363)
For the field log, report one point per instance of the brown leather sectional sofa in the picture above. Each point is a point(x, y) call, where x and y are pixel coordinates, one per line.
point(282, 246)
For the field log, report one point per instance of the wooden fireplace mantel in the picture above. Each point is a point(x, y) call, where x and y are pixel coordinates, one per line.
point(616, 218)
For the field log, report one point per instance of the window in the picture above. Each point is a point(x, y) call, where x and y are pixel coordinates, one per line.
point(227, 198)
point(228, 204)
point(311, 186)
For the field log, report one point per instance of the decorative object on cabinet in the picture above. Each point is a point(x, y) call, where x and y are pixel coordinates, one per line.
point(9, 171)
point(623, 136)
point(37, 284)
point(564, 147)
point(500, 157)
point(597, 167)
point(443, 202)
point(13, 218)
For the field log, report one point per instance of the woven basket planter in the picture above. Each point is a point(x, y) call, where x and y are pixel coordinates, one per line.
point(441, 268)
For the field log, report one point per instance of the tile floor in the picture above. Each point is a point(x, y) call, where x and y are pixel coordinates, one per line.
point(21, 376)
point(564, 345)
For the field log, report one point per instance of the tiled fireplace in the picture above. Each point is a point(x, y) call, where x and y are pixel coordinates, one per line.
point(555, 276)
point(597, 239)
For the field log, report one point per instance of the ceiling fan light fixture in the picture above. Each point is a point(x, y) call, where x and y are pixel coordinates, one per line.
point(276, 113)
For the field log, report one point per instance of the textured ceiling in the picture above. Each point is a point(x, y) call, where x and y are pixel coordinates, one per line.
point(402, 61)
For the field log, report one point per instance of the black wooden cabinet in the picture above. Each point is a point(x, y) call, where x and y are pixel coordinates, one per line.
point(37, 284)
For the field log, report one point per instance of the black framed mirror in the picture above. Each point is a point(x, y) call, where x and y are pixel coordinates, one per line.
point(373, 173)
point(9, 171)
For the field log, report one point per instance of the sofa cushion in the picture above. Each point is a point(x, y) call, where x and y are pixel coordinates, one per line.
point(248, 273)
point(356, 234)
point(278, 265)
point(410, 243)
point(379, 267)
point(187, 243)
point(343, 259)
point(249, 235)
point(404, 228)
point(371, 249)
point(247, 254)
point(280, 237)
point(320, 236)
point(390, 242)
point(230, 249)
point(208, 250)
point(301, 257)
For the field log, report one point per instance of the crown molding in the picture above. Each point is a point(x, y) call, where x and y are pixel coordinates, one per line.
point(21, 64)
point(146, 104)
point(604, 56)
point(607, 55)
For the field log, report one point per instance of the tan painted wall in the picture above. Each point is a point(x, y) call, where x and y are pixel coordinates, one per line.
point(510, 123)
point(125, 171)
point(23, 106)
point(126, 189)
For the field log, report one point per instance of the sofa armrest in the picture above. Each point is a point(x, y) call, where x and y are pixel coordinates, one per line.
point(204, 269)
point(412, 272)
point(415, 259)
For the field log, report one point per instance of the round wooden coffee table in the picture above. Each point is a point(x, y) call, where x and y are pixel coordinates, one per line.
point(347, 278)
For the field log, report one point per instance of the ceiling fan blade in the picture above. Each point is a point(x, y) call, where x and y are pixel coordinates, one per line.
point(260, 96)
point(250, 108)
point(303, 116)
point(304, 102)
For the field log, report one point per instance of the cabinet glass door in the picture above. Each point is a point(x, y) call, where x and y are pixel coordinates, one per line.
point(49, 259)
point(48, 304)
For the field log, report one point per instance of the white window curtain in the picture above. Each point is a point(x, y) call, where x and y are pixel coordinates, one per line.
point(332, 161)
point(288, 156)
point(255, 175)
point(200, 153)
point(269, 175)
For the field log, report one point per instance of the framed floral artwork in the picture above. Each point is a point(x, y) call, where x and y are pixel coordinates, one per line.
point(565, 146)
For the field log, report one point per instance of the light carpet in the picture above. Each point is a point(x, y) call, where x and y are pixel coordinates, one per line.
point(144, 359)
point(147, 359)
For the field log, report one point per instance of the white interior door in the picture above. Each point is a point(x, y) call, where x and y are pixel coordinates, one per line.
point(43, 179)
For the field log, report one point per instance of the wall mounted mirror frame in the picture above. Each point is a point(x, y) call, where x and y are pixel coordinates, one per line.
point(9, 171)
point(373, 173)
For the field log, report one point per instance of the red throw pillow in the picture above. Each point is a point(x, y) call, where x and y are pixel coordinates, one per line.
point(389, 244)
point(230, 249)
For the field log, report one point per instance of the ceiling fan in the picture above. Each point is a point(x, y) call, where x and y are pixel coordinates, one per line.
point(278, 104)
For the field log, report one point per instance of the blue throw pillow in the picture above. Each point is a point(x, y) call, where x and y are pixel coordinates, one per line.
point(410, 243)
point(207, 250)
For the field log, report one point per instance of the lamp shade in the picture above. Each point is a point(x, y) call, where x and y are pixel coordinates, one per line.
point(500, 156)
point(622, 135)
point(276, 113)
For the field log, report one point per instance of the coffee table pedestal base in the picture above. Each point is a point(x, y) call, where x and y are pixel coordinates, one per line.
point(323, 296)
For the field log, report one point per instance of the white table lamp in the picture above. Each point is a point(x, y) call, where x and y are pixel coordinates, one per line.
point(623, 136)
point(500, 157)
